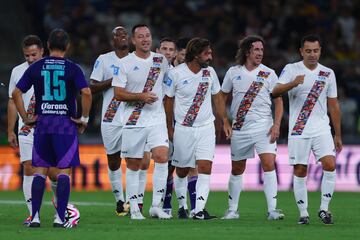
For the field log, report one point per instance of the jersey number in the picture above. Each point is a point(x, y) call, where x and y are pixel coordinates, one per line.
point(54, 88)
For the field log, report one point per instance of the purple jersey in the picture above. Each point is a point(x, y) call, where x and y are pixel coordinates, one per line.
point(56, 82)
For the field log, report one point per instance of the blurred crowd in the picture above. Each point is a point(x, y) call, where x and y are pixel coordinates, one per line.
point(281, 23)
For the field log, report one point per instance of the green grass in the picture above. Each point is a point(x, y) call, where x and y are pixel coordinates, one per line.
point(100, 222)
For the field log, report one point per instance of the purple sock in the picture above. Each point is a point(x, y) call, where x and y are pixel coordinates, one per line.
point(168, 193)
point(192, 191)
point(37, 193)
point(62, 194)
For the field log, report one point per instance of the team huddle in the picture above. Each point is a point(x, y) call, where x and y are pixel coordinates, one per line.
point(162, 106)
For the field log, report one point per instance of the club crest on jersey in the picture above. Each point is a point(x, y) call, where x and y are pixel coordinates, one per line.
point(116, 69)
point(157, 61)
point(323, 75)
point(262, 75)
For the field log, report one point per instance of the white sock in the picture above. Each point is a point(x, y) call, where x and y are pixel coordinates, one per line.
point(301, 197)
point(327, 189)
point(159, 182)
point(132, 186)
point(142, 185)
point(115, 178)
point(202, 191)
point(27, 191)
point(53, 189)
point(270, 189)
point(180, 185)
point(235, 188)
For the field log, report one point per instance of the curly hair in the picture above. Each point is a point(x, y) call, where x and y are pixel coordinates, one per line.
point(244, 48)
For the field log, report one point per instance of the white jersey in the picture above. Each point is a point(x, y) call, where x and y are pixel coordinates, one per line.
point(105, 67)
point(192, 94)
point(308, 101)
point(28, 97)
point(138, 75)
point(251, 102)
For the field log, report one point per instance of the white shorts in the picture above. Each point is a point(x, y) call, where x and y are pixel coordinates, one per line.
point(112, 138)
point(192, 144)
point(140, 139)
point(299, 148)
point(242, 145)
point(26, 146)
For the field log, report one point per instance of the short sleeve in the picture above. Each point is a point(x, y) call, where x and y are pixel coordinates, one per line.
point(79, 78)
point(98, 70)
point(273, 81)
point(169, 84)
point(227, 83)
point(120, 79)
point(215, 87)
point(332, 90)
point(285, 75)
point(12, 83)
point(25, 81)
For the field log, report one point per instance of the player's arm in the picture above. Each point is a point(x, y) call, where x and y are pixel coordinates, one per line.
point(280, 88)
point(11, 119)
point(335, 116)
point(169, 110)
point(86, 99)
point(19, 103)
point(221, 113)
point(274, 131)
point(122, 94)
point(97, 86)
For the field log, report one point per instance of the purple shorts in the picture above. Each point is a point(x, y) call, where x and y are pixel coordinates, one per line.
point(55, 150)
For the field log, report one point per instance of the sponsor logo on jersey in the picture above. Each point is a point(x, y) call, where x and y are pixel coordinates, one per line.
point(136, 68)
point(262, 75)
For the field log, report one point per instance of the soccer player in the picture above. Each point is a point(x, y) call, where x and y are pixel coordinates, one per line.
point(56, 81)
point(107, 65)
point(250, 83)
point(33, 50)
point(167, 48)
point(180, 51)
point(190, 87)
point(312, 93)
point(140, 84)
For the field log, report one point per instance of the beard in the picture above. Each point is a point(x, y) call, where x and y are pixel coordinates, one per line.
point(204, 64)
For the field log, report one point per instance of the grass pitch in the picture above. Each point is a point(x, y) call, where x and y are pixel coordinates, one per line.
point(98, 220)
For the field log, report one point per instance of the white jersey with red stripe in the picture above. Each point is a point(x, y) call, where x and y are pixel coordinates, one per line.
point(105, 67)
point(28, 97)
point(308, 101)
point(251, 101)
point(192, 92)
point(138, 75)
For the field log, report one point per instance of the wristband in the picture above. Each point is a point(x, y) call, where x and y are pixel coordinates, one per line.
point(84, 119)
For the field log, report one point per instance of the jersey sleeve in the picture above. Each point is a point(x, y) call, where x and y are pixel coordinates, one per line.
point(215, 87)
point(332, 90)
point(120, 79)
point(273, 80)
point(98, 70)
point(169, 84)
point(12, 83)
point(227, 83)
point(25, 81)
point(285, 75)
point(79, 78)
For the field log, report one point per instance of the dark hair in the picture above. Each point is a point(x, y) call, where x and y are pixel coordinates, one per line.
point(58, 40)
point(30, 40)
point(244, 48)
point(310, 38)
point(181, 43)
point(167, 39)
point(195, 47)
point(138, 26)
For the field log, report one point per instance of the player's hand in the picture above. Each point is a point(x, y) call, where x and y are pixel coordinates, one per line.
point(274, 133)
point(338, 143)
point(12, 140)
point(149, 97)
point(227, 129)
point(30, 121)
point(171, 133)
point(299, 79)
point(80, 124)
